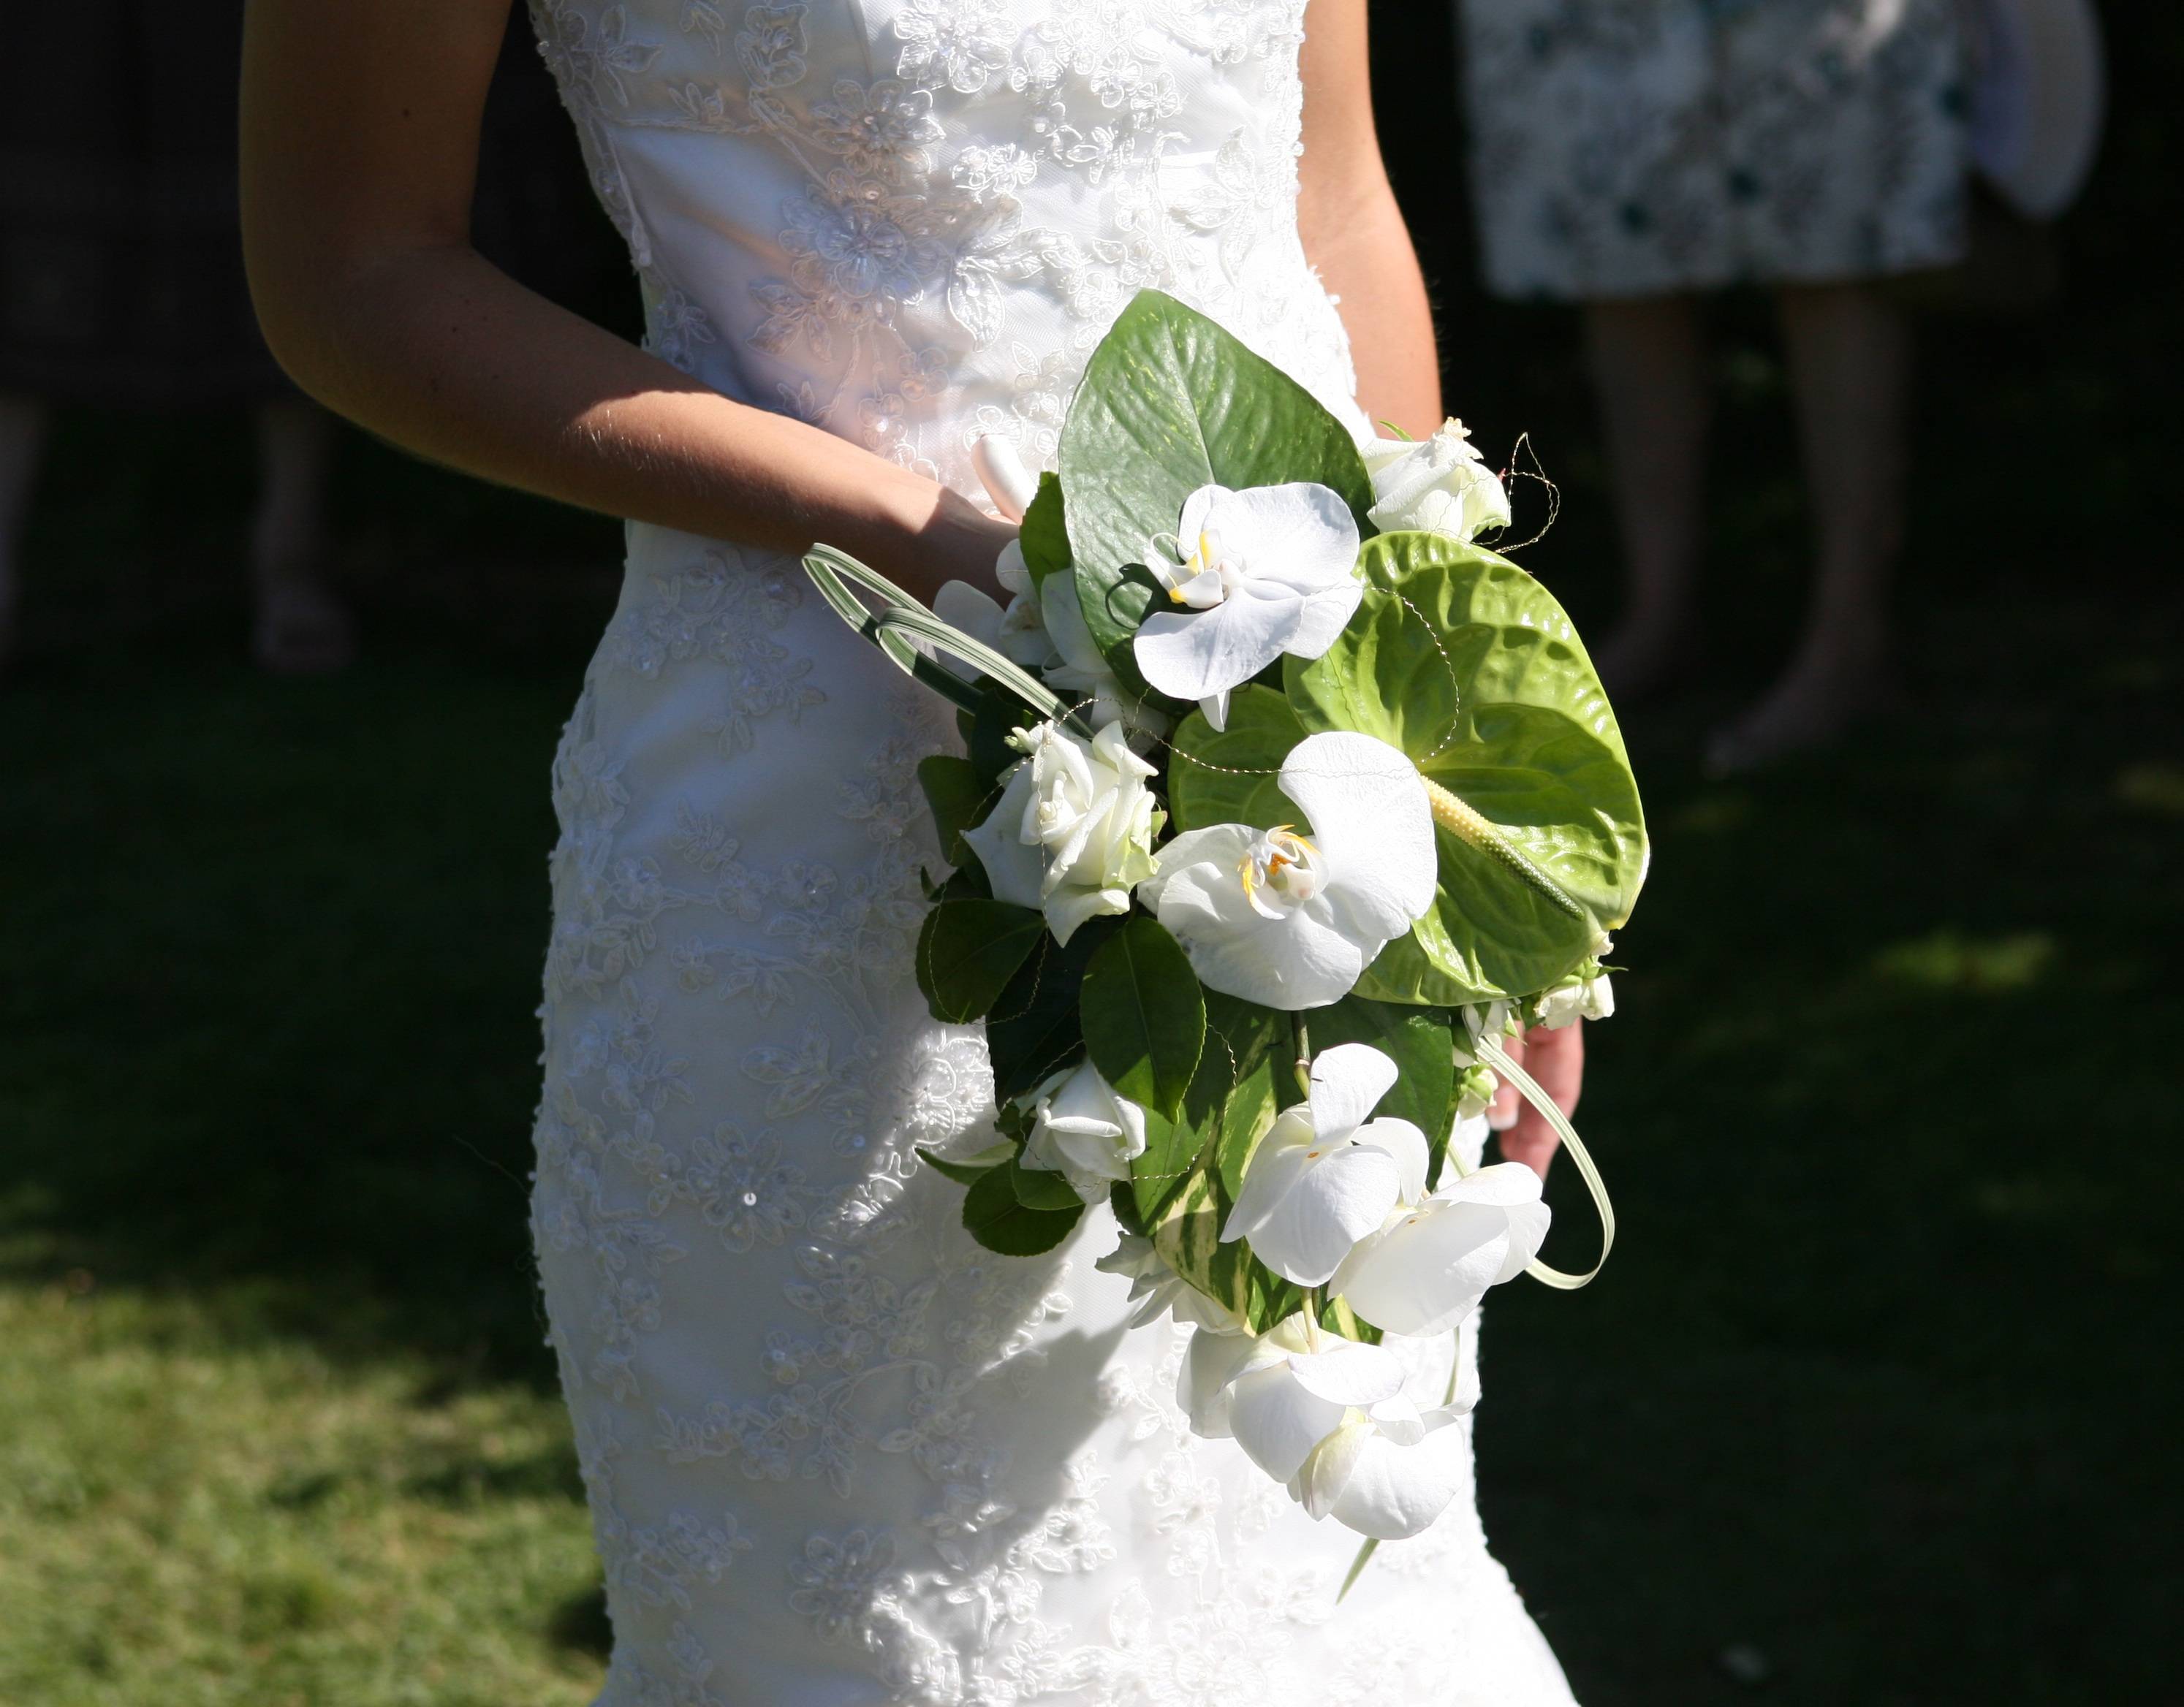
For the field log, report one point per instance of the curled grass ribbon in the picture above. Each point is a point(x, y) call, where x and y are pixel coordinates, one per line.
point(1492, 1054)
point(897, 621)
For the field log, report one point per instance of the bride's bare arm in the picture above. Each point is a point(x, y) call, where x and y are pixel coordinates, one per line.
point(1355, 235)
point(1353, 232)
point(360, 143)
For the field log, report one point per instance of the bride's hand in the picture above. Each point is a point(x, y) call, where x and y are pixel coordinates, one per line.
point(1555, 1060)
point(958, 541)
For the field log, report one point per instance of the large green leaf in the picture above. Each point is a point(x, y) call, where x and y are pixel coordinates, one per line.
point(1041, 1188)
point(959, 801)
point(1467, 665)
point(1228, 776)
point(1187, 1233)
point(967, 1173)
point(968, 950)
point(1181, 1191)
point(1044, 537)
point(998, 1220)
point(1230, 1097)
point(1170, 402)
point(1143, 1015)
point(1000, 715)
point(1419, 1040)
point(1032, 1030)
point(1258, 1040)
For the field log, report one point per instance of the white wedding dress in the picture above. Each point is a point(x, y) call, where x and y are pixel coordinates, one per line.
point(837, 1454)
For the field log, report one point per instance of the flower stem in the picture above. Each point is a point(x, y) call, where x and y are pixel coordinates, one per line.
point(1357, 1569)
point(1303, 1053)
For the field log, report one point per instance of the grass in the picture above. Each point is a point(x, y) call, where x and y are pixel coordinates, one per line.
point(200, 1515)
point(1876, 1404)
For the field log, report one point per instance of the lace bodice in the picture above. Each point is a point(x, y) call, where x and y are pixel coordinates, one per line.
point(908, 221)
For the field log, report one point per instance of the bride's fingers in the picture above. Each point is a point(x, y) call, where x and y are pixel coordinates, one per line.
point(1556, 1061)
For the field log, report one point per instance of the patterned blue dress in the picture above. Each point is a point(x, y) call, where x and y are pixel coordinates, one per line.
point(1636, 148)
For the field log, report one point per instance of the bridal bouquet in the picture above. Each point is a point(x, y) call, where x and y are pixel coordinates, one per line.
point(1283, 804)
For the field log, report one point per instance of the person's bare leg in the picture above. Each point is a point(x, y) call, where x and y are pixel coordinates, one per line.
point(301, 626)
point(1648, 358)
point(23, 423)
point(1850, 360)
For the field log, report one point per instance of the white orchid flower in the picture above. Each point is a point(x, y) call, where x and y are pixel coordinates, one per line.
point(1080, 675)
point(1294, 1386)
point(1082, 1128)
point(1424, 1271)
point(1387, 1472)
point(1018, 632)
point(1072, 832)
point(1328, 1417)
point(1044, 630)
point(1156, 1290)
point(1265, 570)
point(1440, 484)
point(1327, 1176)
point(1289, 920)
point(1213, 1361)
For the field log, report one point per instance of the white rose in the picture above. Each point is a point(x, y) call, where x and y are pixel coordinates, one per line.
point(1072, 832)
point(1082, 1130)
point(1440, 485)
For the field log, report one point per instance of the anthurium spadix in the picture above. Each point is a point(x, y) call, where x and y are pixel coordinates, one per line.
point(1328, 1174)
point(1262, 571)
point(1425, 1270)
point(1289, 917)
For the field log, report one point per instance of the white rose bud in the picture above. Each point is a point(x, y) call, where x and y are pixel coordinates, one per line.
point(1082, 1130)
point(1440, 485)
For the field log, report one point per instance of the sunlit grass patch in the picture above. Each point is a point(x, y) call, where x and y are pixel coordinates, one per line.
point(186, 1518)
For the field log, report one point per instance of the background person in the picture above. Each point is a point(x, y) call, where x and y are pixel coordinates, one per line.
point(1630, 155)
point(121, 286)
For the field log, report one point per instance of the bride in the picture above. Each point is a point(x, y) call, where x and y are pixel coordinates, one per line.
point(836, 1453)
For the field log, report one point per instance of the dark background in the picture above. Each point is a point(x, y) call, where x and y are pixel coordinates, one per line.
point(1876, 1402)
